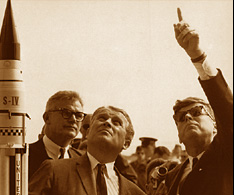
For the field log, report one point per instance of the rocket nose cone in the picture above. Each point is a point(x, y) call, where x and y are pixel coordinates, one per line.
point(9, 45)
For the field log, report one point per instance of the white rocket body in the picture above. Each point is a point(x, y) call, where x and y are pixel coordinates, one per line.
point(12, 105)
point(13, 148)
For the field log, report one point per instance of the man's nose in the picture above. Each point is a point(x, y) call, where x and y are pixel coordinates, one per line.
point(107, 123)
point(188, 116)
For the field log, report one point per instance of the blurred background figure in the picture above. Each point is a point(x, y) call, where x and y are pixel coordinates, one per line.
point(152, 177)
point(81, 143)
point(176, 153)
point(149, 145)
point(139, 166)
point(183, 156)
point(162, 152)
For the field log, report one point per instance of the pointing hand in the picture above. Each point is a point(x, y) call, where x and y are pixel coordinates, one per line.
point(187, 37)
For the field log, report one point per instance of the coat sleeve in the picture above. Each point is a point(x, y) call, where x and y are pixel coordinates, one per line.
point(220, 98)
point(41, 181)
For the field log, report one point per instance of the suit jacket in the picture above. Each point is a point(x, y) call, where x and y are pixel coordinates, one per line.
point(37, 154)
point(213, 173)
point(72, 177)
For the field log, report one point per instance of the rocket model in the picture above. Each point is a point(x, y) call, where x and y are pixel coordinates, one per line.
point(13, 149)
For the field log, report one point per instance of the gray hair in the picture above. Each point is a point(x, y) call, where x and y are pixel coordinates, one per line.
point(63, 95)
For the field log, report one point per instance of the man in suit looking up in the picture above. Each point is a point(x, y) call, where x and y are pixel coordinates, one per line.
point(63, 117)
point(93, 173)
point(206, 129)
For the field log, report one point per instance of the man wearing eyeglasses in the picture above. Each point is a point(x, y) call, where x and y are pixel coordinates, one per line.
point(62, 117)
point(207, 135)
point(93, 173)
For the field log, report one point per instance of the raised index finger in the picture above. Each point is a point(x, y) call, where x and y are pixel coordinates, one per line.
point(179, 14)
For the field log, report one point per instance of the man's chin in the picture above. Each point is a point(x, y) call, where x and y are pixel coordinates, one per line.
point(71, 135)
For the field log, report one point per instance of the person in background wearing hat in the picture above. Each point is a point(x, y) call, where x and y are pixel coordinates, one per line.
point(63, 117)
point(148, 143)
point(205, 129)
point(93, 173)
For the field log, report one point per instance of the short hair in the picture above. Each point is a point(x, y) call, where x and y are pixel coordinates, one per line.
point(191, 100)
point(129, 129)
point(63, 95)
point(161, 150)
point(152, 164)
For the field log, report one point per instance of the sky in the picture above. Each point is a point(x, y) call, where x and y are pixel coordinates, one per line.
point(121, 53)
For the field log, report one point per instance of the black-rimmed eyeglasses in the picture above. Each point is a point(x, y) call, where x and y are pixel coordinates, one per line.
point(66, 114)
point(194, 112)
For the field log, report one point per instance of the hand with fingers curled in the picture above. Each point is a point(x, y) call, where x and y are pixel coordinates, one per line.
point(187, 37)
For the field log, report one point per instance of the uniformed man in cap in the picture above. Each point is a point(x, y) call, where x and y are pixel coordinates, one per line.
point(148, 143)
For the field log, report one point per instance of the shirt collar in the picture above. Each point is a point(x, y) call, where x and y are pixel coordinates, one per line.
point(191, 159)
point(52, 147)
point(109, 166)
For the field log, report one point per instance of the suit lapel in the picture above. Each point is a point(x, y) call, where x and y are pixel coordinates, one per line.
point(75, 152)
point(85, 173)
point(176, 180)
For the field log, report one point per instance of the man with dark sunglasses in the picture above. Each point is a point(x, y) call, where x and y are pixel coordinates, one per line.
point(63, 117)
point(205, 129)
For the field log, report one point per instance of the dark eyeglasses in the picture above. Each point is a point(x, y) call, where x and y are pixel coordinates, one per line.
point(195, 111)
point(66, 114)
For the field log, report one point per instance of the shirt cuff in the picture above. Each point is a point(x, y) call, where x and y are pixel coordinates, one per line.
point(205, 70)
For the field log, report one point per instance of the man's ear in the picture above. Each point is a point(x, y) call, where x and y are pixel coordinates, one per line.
point(215, 129)
point(126, 144)
point(179, 139)
point(46, 117)
point(87, 133)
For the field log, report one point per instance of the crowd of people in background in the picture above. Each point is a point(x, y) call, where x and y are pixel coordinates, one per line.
point(138, 166)
point(94, 164)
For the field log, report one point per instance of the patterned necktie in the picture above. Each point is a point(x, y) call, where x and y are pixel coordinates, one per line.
point(194, 161)
point(62, 152)
point(101, 183)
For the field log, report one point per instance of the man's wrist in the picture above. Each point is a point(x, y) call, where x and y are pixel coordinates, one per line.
point(195, 53)
point(200, 58)
point(205, 70)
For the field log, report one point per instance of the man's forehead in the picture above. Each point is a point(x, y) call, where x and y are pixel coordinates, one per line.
point(190, 106)
point(110, 112)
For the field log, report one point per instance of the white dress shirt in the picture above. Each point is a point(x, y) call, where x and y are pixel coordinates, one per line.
point(52, 149)
point(111, 178)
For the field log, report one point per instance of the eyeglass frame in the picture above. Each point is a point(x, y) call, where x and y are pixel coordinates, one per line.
point(71, 112)
point(188, 111)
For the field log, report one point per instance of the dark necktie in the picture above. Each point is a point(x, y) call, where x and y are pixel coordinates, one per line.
point(62, 152)
point(101, 183)
point(194, 161)
point(182, 182)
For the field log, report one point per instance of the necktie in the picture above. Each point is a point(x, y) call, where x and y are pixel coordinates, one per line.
point(101, 183)
point(194, 161)
point(62, 151)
